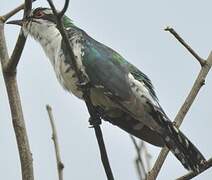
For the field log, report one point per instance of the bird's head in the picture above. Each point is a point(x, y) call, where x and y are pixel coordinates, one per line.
point(40, 23)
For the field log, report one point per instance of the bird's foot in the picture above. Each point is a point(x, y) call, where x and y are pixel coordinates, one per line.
point(94, 121)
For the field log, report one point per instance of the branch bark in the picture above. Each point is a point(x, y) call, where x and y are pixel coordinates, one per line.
point(16, 112)
point(199, 82)
point(20, 43)
point(9, 75)
point(11, 13)
point(141, 171)
point(60, 165)
point(94, 119)
point(142, 160)
point(177, 36)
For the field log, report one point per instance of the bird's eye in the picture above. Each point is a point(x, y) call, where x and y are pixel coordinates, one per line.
point(38, 14)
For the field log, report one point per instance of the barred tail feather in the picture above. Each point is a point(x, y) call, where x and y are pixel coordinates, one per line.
point(190, 157)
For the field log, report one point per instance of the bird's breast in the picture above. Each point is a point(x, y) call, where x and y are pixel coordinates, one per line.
point(67, 76)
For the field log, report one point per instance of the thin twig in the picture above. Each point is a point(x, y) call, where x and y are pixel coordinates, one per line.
point(62, 12)
point(94, 120)
point(8, 15)
point(177, 36)
point(191, 175)
point(16, 55)
point(147, 155)
point(60, 165)
point(12, 13)
point(139, 161)
point(28, 7)
point(16, 112)
point(181, 114)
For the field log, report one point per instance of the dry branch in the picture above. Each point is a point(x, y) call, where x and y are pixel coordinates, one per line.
point(177, 36)
point(206, 66)
point(142, 159)
point(20, 43)
point(94, 119)
point(9, 75)
point(140, 167)
point(60, 165)
point(11, 13)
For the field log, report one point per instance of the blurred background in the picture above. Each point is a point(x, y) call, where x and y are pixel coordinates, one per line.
point(135, 30)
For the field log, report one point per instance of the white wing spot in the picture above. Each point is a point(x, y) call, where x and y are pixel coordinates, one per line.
point(167, 139)
point(138, 126)
point(187, 143)
point(183, 161)
point(176, 151)
point(180, 139)
point(177, 130)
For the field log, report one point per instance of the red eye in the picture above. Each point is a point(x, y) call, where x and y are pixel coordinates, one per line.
point(38, 14)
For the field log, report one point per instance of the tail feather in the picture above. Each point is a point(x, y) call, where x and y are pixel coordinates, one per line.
point(190, 157)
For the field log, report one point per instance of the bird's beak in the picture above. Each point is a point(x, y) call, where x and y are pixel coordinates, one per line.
point(16, 22)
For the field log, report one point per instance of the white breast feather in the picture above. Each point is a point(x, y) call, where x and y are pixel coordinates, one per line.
point(50, 39)
point(70, 79)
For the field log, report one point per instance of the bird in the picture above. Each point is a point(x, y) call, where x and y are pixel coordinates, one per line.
point(119, 92)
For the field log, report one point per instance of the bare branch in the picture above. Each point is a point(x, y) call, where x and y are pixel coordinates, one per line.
point(152, 175)
point(28, 7)
point(12, 13)
point(62, 12)
point(5, 17)
point(16, 55)
point(181, 114)
point(16, 112)
point(94, 120)
point(139, 162)
point(147, 156)
point(193, 174)
point(180, 39)
point(54, 9)
point(64, 8)
point(138, 169)
point(14, 98)
point(142, 161)
point(60, 165)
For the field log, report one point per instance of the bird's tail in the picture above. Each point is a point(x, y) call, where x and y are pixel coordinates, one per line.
point(190, 157)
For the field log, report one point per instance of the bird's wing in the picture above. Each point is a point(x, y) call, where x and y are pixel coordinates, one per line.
point(123, 82)
point(133, 92)
point(107, 68)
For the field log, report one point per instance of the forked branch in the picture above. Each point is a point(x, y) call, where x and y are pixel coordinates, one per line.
point(200, 80)
point(16, 55)
point(13, 95)
point(142, 159)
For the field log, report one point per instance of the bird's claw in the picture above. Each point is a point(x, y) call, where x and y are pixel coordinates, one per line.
point(94, 122)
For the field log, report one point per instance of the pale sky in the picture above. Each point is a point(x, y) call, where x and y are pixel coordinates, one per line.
point(135, 30)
